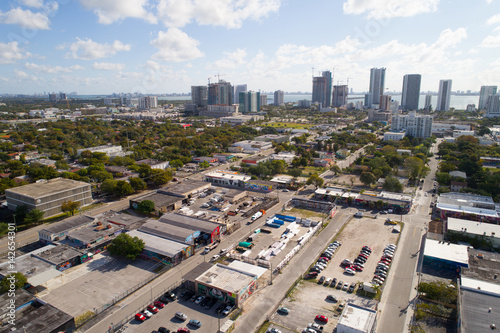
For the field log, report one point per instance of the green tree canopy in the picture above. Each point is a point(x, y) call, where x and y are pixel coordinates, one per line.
point(392, 184)
point(70, 207)
point(368, 178)
point(20, 281)
point(34, 216)
point(146, 206)
point(137, 183)
point(125, 246)
point(316, 180)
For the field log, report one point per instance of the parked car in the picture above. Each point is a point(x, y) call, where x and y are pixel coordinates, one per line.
point(349, 271)
point(163, 330)
point(180, 315)
point(210, 303)
point(322, 318)
point(220, 308)
point(315, 327)
point(352, 287)
point(153, 309)
point(159, 304)
point(273, 330)
point(334, 282)
point(358, 267)
point(362, 255)
point(328, 281)
point(147, 314)
point(140, 317)
point(195, 322)
point(227, 310)
point(321, 280)
point(337, 243)
point(183, 330)
point(199, 299)
point(311, 275)
point(339, 286)
point(283, 310)
point(332, 298)
point(345, 286)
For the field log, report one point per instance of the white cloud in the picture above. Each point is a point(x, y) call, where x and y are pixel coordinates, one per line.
point(379, 9)
point(25, 18)
point(226, 13)
point(52, 69)
point(88, 49)
point(492, 40)
point(32, 3)
point(109, 11)
point(10, 52)
point(108, 66)
point(175, 46)
point(232, 59)
point(493, 20)
point(20, 74)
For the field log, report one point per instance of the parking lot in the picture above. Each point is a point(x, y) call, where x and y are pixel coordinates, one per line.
point(95, 283)
point(166, 318)
point(308, 299)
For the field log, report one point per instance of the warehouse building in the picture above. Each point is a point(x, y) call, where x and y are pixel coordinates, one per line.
point(171, 232)
point(233, 283)
point(227, 178)
point(445, 256)
point(488, 231)
point(479, 304)
point(468, 206)
point(185, 190)
point(209, 232)
point(60, 230)
point(48, 196)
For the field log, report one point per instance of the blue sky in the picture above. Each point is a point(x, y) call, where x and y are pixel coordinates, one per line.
point(165, 46)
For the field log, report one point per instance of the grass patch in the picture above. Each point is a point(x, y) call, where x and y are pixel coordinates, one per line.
point(83, 318)
point(306, 213)
point(236, 313)
point(311, 170)
point(264, 327)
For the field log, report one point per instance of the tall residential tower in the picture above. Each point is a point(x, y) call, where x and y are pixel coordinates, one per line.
point(377, 83)
point(322, 89)
point(483, 96)
point(443, 103)
point(411, 92)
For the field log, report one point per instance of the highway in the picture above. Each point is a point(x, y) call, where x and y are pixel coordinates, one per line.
point(395, 308)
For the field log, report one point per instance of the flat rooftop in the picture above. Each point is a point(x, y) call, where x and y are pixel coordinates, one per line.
point(49, 187)
point(159, 199)
point(357, 318)
point(483, 265)
point(226, 175)
point(395, 196)
point(169, 231)
point(226, 278)
point(58, 254)
point(165, 247)
point(474, 311)
point(474, 227)
point(93, 233)
point(447, 251)
point(124, 219)
point(188, 222)
point(255, 158)
point(69, 224)
point(480, 286)
point(185, 188)
point(249, 268)
point(28, 264)
point(36, 316)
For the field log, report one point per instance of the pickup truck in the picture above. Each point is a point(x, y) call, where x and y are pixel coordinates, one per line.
point(210, 247)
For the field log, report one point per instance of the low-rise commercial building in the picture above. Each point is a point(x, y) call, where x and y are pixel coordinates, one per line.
point(108, 150)
point(356, 319)
point(233, 283)
point(253, 146)
point(155, 164)
point(445, 256)
point(478, 304)
point(273, 138)
point(489, 232)
point(60, 230)
point(394, 136)
point(48, 196)
point(227, 178)
point(254, 160)
point(468, 206)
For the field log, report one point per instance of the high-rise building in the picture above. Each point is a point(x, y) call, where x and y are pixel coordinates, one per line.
point(340, 93)
point(493, 106)
point(322, 89)
point(220, 93)
point(63, 96)
point(148, 102)
point(279, 97)
point(428, 102)
point(53, 97)
point(413, 125)
point(263, 99)
point(377, 82)
point(249, 101)
point(385, 102)
point(199, 95)
point(443, 103)
point(237, 89)
point(368, 100)
point(411, 92)
point(485, 92)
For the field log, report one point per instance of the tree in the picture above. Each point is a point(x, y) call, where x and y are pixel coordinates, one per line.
point(70, 207)
point(295, 172)
point(161, 177)
point(20, 214)
point(414, 166)
point(19, 281)
point(146, 206)
point(108, 186)
point(352, 179)
point(34, 216)
point(123, 188)
point(335, 169)
point(176, 164)
point(137, 183)
point(204, 165)
point(368, 178)
point(392, 184)
point(316, 180)
point(126, 246)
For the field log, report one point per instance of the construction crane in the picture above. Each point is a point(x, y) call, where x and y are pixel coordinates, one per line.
point(349, 78)
point(218, 75)
point(209, 80)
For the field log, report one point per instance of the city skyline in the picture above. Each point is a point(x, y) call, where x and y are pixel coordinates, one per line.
point(158, 47)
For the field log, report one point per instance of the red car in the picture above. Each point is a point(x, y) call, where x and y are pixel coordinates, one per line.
point(322, 318)
point(325, 258)
point(140, 317)
point(159, 304)
point(183, 330)
point(363, 255)
point(152, 308)
point(358, 268)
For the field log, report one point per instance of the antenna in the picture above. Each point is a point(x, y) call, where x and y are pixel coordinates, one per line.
point(349, 78)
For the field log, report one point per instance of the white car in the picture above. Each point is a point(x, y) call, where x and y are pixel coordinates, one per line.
point(147, 313)
point(349, 271)
point(199, 300)
point(314, 326)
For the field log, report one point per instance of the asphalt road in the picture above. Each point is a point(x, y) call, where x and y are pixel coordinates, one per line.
point(397, 298)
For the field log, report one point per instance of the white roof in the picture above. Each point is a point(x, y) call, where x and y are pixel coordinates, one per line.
point(478, 285)
point(226, 278)
point(225, 175)
point(249, 268)
point(474, 227)
point(158, 245)
point(467, 209)
point(447, 251)
point(394, 196)
point(357, 318)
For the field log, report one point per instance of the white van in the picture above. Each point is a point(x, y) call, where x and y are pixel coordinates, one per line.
point(358, 214)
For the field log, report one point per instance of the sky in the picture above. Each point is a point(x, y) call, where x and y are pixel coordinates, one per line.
point(166, 46)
